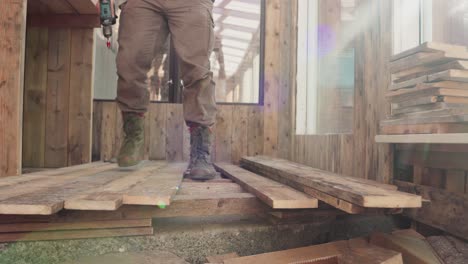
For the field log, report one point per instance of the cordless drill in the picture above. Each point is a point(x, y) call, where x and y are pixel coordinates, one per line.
point(108, 18)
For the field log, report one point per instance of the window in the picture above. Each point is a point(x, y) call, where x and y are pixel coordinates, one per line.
point(412, 24)
point(325, 70)
point(236, 62)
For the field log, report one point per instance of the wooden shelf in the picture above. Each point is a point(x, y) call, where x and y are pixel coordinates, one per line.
point(454, 138)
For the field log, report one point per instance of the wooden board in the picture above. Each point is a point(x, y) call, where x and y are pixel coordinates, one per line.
point(30, 227)
point(110, 195)
point(58, 88)
point(409, 94)
point(450, 75)
point(409, 83)
point(454, 138)
point(432, 118)
point(443, 203)
point(428, 70)
point(433, 47)
point(426, 107)
point(360, 192)
point(12, 55)
point(157, 189)
point(429, 100)
point(35, 89)
point(75, 234)
point(80, 97)
point(424, 129)
point(413, 249)
point(276, 195)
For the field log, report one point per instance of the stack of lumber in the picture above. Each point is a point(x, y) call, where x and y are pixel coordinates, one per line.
point(349, 194)
point(429, 91)
point(343, 252)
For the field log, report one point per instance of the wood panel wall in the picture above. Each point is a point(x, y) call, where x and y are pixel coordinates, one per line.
point(357, 154)
point(238, 132)
point(58, 97)
point(12, 32)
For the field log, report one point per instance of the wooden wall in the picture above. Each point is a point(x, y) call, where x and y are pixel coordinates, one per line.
point(238, 132)
point(12, 35)
point(58, 97)
point(357, 154)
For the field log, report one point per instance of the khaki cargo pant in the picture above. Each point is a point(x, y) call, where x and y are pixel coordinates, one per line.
point(144, 27)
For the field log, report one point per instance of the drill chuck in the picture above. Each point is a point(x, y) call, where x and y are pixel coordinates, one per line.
point(107, 31)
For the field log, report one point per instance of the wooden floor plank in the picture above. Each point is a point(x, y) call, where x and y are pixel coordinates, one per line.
point(157, 189)
point(75, 234)
point(346, 188)
point(275, 194)
point(110, 196)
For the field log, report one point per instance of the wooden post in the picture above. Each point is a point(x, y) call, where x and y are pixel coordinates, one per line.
point(12, 46)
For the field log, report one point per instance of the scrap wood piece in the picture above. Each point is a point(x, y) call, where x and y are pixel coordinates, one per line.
point(452, 50)
point(405, 111)
point(450, 249)
point(430, 100)
point(349, 189)
point(428, 70)
point(426, 90)
point(452, 206)
point(414, 249)
point(57, 226)
point(157, 189)
point(446, 118)
point(221, 258)
point(192, 188)
point(450, 75)
point(110, 196)
point(75, 234)
point(275, 194)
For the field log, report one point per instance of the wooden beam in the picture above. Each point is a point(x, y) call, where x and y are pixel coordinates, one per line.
point(64, 21)
point(12, 56)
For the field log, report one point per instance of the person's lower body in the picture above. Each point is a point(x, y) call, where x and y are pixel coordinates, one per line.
point(144, 28)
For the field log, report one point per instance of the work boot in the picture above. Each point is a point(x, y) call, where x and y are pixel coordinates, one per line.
point(193, 152)
point(200, 167)
point(130, 155)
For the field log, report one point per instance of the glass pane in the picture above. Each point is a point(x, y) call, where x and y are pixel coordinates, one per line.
point(236, 58)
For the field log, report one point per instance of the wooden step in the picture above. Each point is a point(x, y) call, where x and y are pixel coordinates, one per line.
point(275, 194)
point(363, 193)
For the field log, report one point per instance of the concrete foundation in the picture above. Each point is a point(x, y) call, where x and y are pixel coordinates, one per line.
point(194, 239)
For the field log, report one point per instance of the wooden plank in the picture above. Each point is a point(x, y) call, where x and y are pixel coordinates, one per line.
point(443, 203)
point(224, 133)
point(157, 189)
point(58, 87)
point(276, 195)
point(80, 97)
point(29, 227)
point(414, 250)
point(255, 131)
point(444, 117)
point(419, 59)
point(239, 133)
point(157, 121)
point(174, 136)
point(409, 94)
point(197, 188)
point(429, 100)
point(12, 56)
point(109, 197)
point(432, 47)
point(424, 108)
point(454, 138)
point(424, 129)
point(46, 196)
point(428, 70)
point(450, 75)
point(64, 21)
point(409, 83)
point(108, 130)
point(35, 89)
point(455, 181)
point(362, 193)
point(76, 234)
